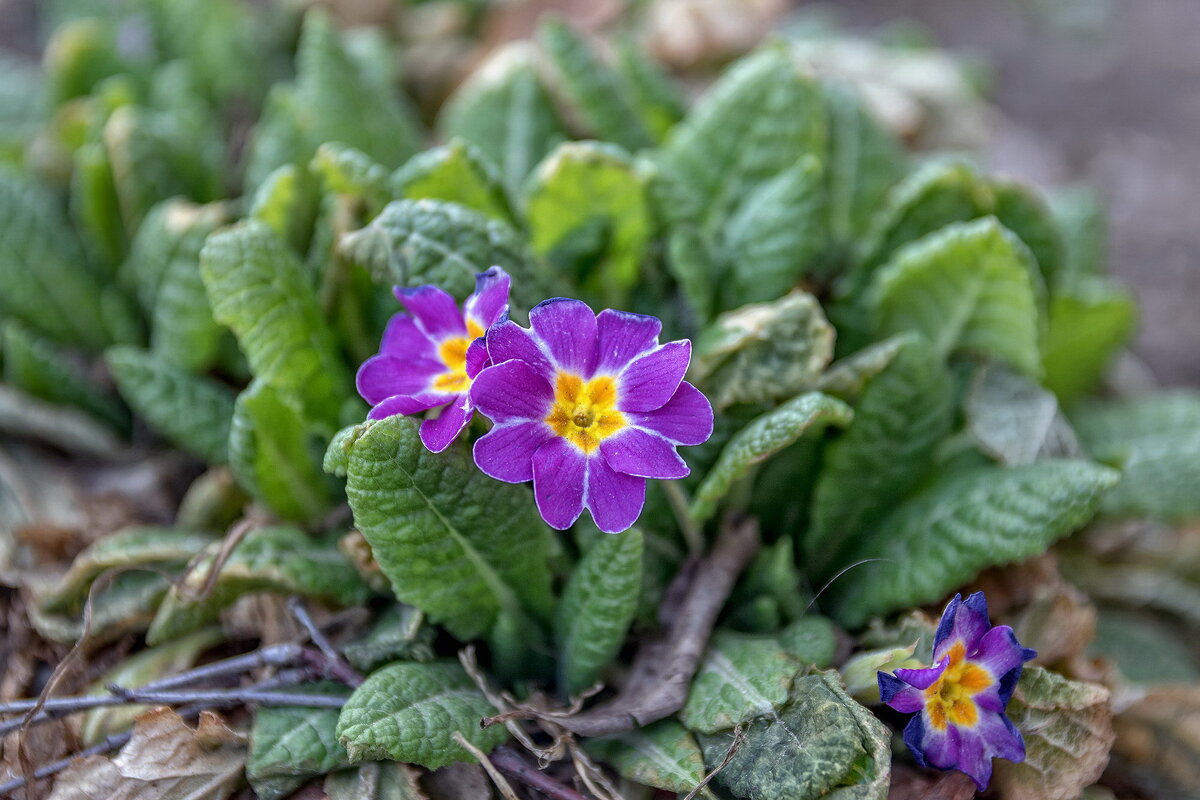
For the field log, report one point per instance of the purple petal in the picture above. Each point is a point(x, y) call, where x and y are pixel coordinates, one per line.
point(634, 451)
point(405, 404)
point(490, 300)
point(1002, 738)
point(917, 737)
point(934, 748)
point(567, 328)
point(686, 419)
point(923, 678)
point(899, 695)
point(615, 500)
point(511, 391)
point(973, 756)
point(477, 357)
point(621, 337)
point(559, 479)
point(403, 338)
point(966, 620)
point(651, 380)
point(508, 341)
point(381, 377)
point(998, 651)
point(506, 451)
point(437, 434)
point(436, 311)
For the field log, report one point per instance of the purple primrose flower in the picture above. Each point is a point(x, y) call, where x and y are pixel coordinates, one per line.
point(960, 701)
point(587, 406)
point(430, 356)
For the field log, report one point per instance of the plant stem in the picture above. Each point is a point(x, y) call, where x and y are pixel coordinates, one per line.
point(510, 762)
point(232, 696)
point(679, 501)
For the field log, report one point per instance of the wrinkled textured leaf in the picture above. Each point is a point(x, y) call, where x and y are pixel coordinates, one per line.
point(1080, 218)
point(657, 100)
point(458, 173)
point(445, 534)
point(409, 712)
point(741, 677)
point(1090, 319)
point(290, 744)
point(400, 633)
point(126, 607)
point(811, 640)
point(1016, 421)
point(286, 202)
point(695, 264)
point(94, 206)
point(663, 755)
point(847, 377)
point(1020, 209)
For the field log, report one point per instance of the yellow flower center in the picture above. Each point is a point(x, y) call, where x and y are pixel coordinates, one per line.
point(951, 699)
point(453, 353)
point(585, 412)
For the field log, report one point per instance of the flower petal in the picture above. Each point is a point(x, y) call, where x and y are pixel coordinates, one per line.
point(490, 300)
point(381, 377)
point(477, 357)
point(507, 341)
point(998, 651)
point(615, 500)
point(405, 404)
point(506, 451)
point(511, 391)
point(633, 451)
point(436, 311)
point(403, 338)
point(686, 419)
point(567, 328)
point(559, 481)
point(621, 337)
point(923, 678)
point(651, 380)
point(899, 695)
point(963, 619)
point(974, 757)
point(438, 433)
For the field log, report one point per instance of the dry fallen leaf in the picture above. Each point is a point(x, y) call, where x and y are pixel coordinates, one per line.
point(1160, 734)
point(909, 783)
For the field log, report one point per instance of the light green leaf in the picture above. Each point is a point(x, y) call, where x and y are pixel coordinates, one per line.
point(760, 119)
point(505, 111)
point(597, 606)
point(458, 173)
point(741, 677)
point(968, 287)
point(409, 712)
point(775, 234)
point(765, 436)
point(81, 53)
point(23, 106)
point(1155, 441)
point(962, 523)
point(376, 780)
point(821, 745)
point(848, 377)
point(278, 140)
point(811, 640)
point(193, 411)
point(454, 543)
point(125, 607)
point(278, 559)
point(663, 755)
point(286, 202)
point(290, 744)
point(1016, 421)
point(659, 102)
point(1080, 219)
point(902, 414)
point(694, 263)
point(260, 290)
point(94, 206)
point(346, 171)
point(221, 42)
point(400, 632)
point(1020, 209)
point(764, 352)
point(1090, 319)
point(861, 673)
point(589, 215)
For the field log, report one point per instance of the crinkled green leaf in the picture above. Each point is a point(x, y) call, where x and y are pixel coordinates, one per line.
point(290, 744)
point(846, 378)
point(763, 352)
point(278, 559)
point(968, 288)
point(23, 106)
point(454, 543)
point(220, 40)
point(597, 606)
point(376, 780)
point(902, 414)
point(811, 640)
point(765, 436)
point(347, 171)
point(400, 632)
point(126, 606)
point(1090, 319)
point(505, 111)
point(773, 580)
point(659, 102)
point(260, 290)
point(1016, 421)
point(589, 216)
point(278, 140)
point(1080, 219)
point(193, 411)
point(741, 677)
point(695, 264)
point(1020, 209)
point(962, 523)
point(664, 755)
point(1155, 441)
point(821, 745)
point(409, 712)
point(286, 202)
point(458, 173)
point(81, 53)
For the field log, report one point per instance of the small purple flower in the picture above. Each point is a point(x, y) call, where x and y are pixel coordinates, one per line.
point(961, 699)
point(587, 406)
point(430, 356)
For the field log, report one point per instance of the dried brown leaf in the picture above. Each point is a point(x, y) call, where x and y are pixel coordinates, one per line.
point(1160, 734)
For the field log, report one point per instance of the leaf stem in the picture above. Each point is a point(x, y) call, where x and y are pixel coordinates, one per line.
point(680, 503)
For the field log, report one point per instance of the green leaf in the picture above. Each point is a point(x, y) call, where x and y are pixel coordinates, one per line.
point(1020, 209)
point(458, 173)
point(1090, 320)
point(80, 54)
point(663, 755)
point(346, 171)
point(221, 41)
point(66, 428)
point(656, 98)
point(278, 140)
point(1080, 220)
point(193, 411)
point(286, 202)
point(580, 189)
point(505, 111)
point(597, 606)
point(741, 677)
point(765, 436)
point(771, 579)
point(400, 633)
point(1146, 649)
point(454, 543)
point(695, 264)
point(1155, 441)
point(962, 523)
point(902, 414)
point(760, 119)
point(1016, 421)
point(591, 88)
point(969, 287)
point(775, 234)
point(23, 106)
point(821, 745)
point(290, 744)
point(275, 456)
point(811, 640)
point(1067, 726)
point(260, 290)
point(764, 352)
point(278, 559)
point(125, 607)
point(409, 712)
point(376, 780)
point(848, 377)
point(94, 206)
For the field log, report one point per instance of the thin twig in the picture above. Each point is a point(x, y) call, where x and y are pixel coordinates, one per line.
point(512, 764)
point(254, 696)
point(497, 778)
point(592, 776)
point(739, 736)
point(677, 497)
point(336, 666)
point(238, 532)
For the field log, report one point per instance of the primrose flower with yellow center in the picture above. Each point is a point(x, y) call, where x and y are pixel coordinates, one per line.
point(430, 356)
point(587, 406)
point(960, 701)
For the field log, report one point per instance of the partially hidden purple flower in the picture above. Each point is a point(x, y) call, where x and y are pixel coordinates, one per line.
point(587, 406)
point(430, 356)
point(960, 701)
